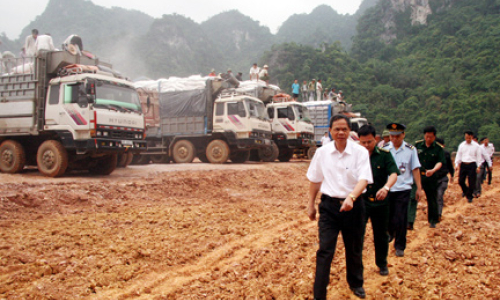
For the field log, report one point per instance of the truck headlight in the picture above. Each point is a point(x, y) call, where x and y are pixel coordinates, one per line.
point(242, 135)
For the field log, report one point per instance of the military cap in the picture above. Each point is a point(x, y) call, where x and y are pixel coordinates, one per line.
point(395, 128)
point(385, 133)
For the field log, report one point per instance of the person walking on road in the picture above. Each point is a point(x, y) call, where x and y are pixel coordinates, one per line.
point(341, 171)
point(467, 163)
point(442, 175)
point(406, 158)
point(385, 174)
point(431, 157)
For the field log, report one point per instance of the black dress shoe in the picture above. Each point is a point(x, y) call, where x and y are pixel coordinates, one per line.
point(384, 271)
point(409, 226)
point(359, 291)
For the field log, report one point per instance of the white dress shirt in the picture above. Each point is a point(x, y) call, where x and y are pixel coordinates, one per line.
point(340, 172)
point(44, 42)
point(490, 149)
point(468, 153)
point(485, 157)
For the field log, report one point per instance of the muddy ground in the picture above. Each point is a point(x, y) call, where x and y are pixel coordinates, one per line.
point(233, 231)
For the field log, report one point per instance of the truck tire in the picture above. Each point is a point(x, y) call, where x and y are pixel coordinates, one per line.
point(124, 159)
point(239, 157)
point(254, 155)
point(203, 157)
point(160, 159)
point(183, 152)
point(104, 165)
point(285, 155)
point(12, 157)
point(217, 152)
point(310, 152)
point(141, 159)
point(52, 158)
point(269, 154)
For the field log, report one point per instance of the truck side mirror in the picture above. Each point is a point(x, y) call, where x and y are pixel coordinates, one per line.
point(148, 104)
point(90, 98)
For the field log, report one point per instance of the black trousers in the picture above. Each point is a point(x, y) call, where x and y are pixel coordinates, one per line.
point(467, 171)
point(379, 216)
point(398, 217)
point(430, 187)
point(331, 222)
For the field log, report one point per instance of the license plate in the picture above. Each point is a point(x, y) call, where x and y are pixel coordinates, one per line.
point(127, 143)
point(258, 142)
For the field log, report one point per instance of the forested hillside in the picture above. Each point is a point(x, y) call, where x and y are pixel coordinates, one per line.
point(445, 73)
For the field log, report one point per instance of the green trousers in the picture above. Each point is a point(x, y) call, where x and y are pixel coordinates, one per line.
point(429, 186)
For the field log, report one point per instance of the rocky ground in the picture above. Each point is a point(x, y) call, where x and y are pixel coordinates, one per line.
point(233, 231)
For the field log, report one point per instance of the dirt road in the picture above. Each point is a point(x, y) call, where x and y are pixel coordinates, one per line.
point(232, 231)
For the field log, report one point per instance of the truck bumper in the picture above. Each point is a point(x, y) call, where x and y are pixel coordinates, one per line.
point(295, 143)
point(253, 143)
point(99, 146)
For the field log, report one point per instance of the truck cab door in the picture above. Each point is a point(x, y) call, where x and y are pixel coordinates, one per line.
point(71, 111)
point(286, 119)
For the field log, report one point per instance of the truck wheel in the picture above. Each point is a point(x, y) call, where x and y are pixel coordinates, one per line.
point(240, 157)
point(203, 158)
point(310, 152)
point(124, 159)
point(217, 152)
point(12, 157)
point(142, 159)
point(160, 159)
point(105, 165)
point(285, 155)
point(52, 158)
point(254, 155)
point(183, 152)
point(269, 154)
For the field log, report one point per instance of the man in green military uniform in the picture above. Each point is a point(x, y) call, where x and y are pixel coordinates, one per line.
point(385, 174)
point(431, 156)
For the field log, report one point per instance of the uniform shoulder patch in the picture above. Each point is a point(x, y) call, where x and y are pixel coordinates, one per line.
point(410, 146)
point(384, 150)
point(419, 141)
point(440, 145)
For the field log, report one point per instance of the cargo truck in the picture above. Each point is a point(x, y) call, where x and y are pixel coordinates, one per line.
point(320, 113)
point(292, 130)
point(202, 122)
point(60, 112)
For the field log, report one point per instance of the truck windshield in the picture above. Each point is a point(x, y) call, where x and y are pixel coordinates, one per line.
point(302, 113)
point(117, 96)
point(255, 109)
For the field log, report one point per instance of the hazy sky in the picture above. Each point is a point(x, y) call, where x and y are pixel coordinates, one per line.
point(16, 14)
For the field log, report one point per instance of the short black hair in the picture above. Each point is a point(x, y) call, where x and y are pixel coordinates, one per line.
point(440, 140)
point(338, 117)
point(34, 31)
point(367, 130)
point(482, 139)
point(430, 128)
point(469, 132)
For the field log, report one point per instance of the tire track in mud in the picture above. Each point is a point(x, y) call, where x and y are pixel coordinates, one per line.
point(167, 283)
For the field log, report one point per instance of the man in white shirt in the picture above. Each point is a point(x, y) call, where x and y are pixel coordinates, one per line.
point(319, 90)
point(341, 171)
point(254, 72)
point(29, 43)
point(325, 139)
point(467, 163)
point(44, 42)
point(485, 163)
point(490, 150)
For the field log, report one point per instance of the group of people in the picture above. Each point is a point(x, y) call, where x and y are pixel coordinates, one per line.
point(255, 74)
point(382, 180)
point(314, 91)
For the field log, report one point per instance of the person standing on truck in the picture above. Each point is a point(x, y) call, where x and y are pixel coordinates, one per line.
point(239, 76)
point(319, 90)
point(406, 158)
point(44, 43)
point(29, 43)
point(264, 74)
point(340, 171)
point(254, 72)
point(212, 73)
point(304, 91)
point(385, 174)
point(295, 90)
point(312, 90)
